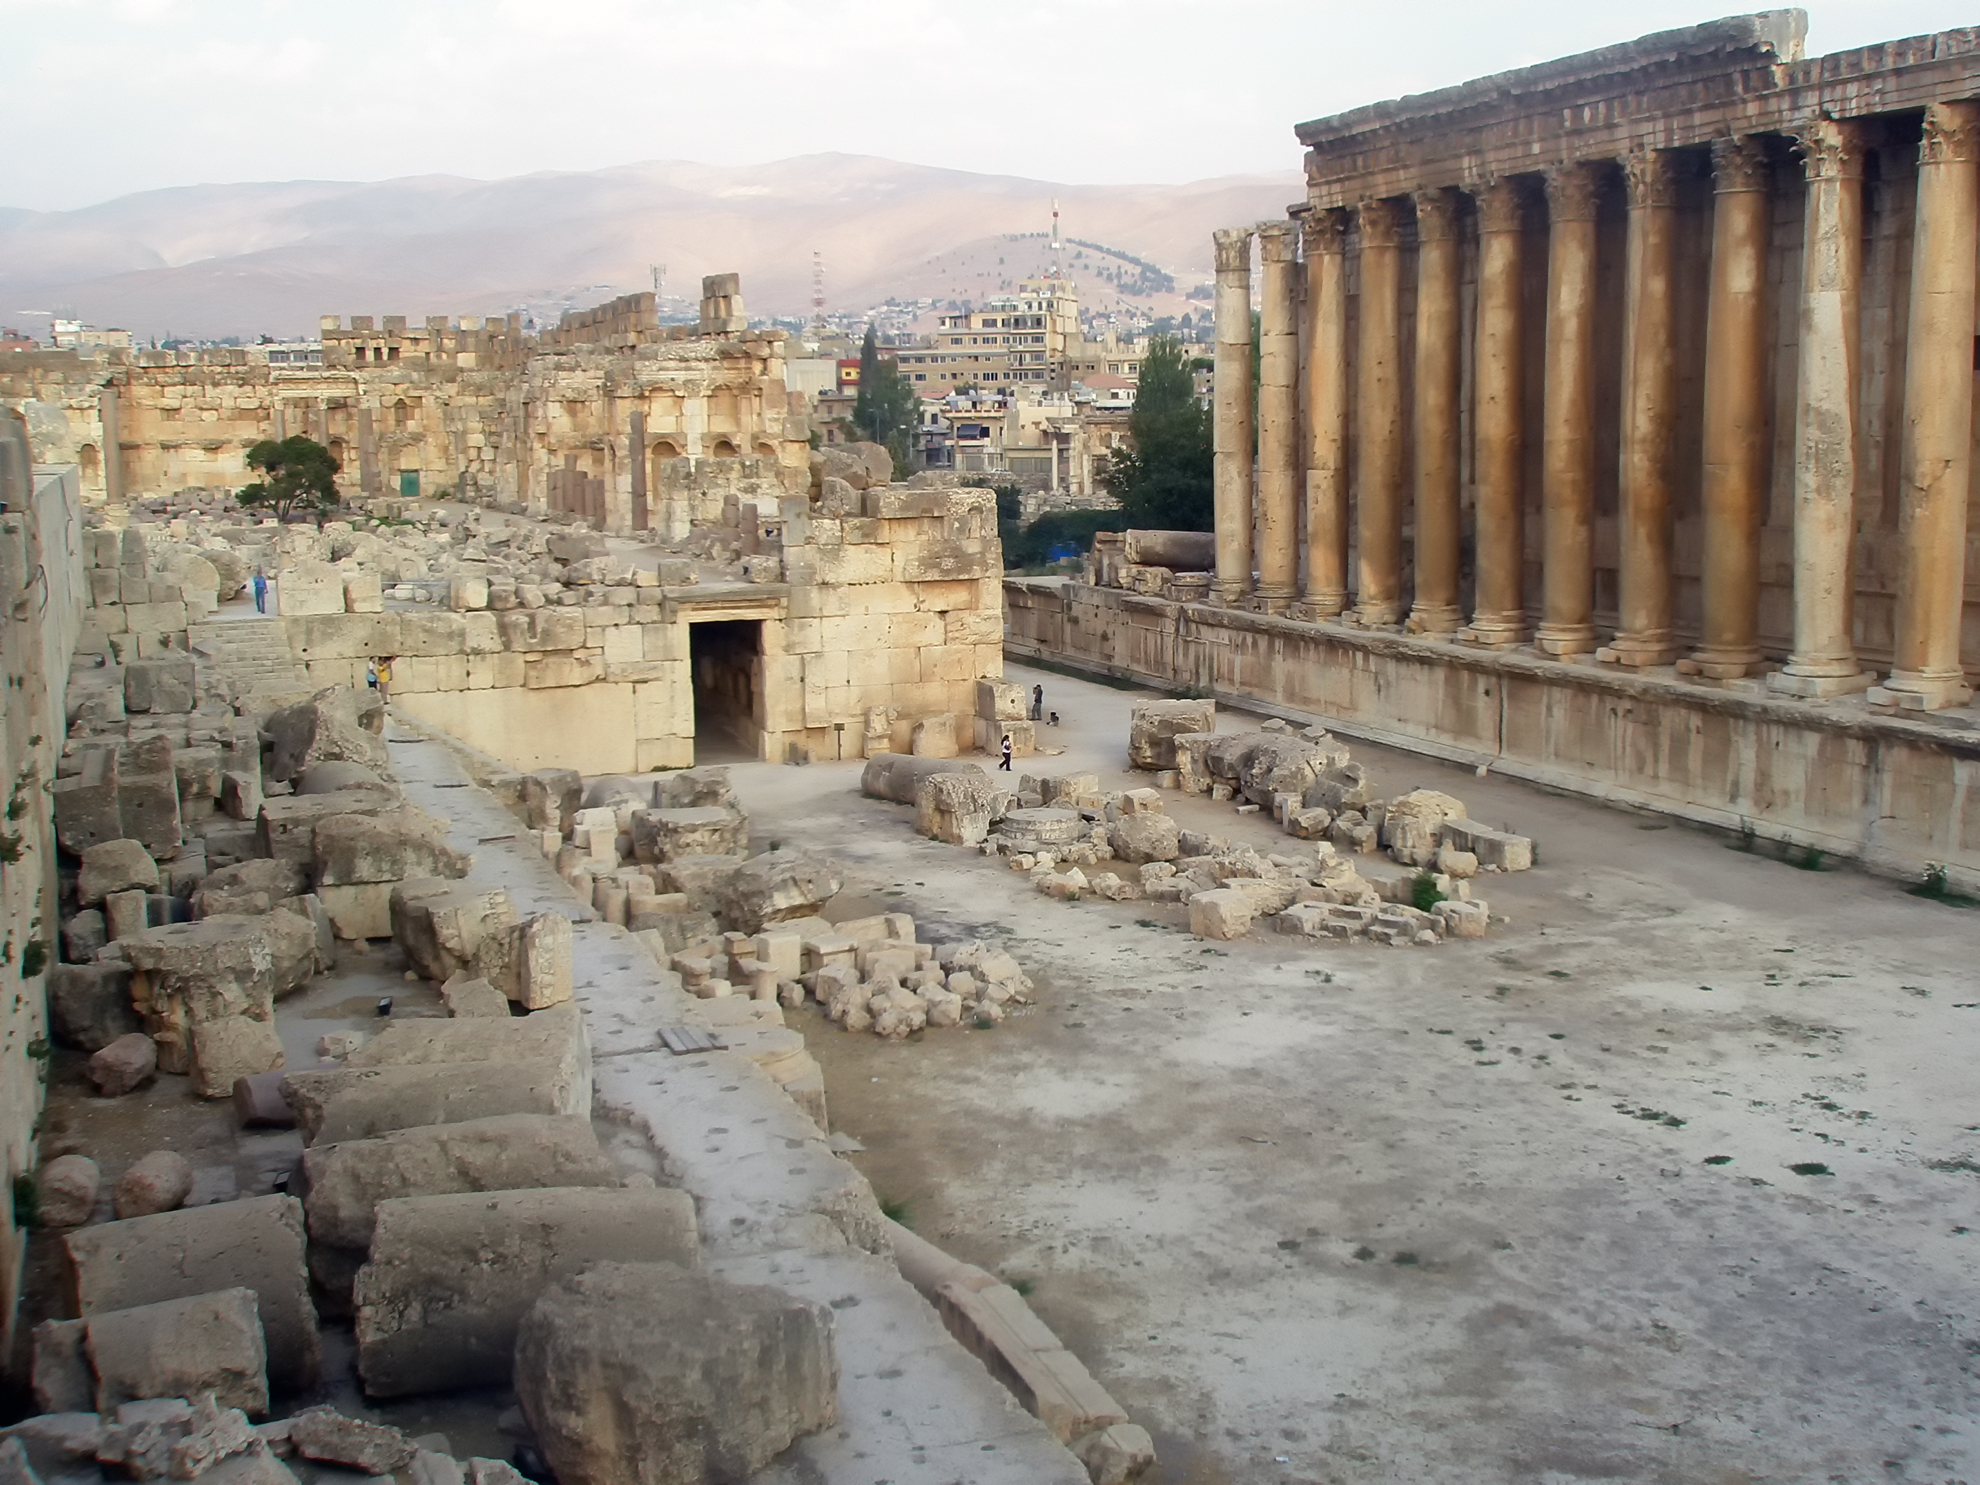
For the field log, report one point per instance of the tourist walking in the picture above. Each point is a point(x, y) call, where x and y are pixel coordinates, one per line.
point(1037, 702)
point(382, 679)
point(260, 591)
point(1006, 764)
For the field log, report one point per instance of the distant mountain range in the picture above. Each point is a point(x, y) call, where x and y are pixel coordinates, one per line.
point(269, 257)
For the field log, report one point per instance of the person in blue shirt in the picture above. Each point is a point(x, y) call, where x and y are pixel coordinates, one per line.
point(260, 591)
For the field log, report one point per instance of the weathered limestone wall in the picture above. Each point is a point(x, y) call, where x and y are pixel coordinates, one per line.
point(41, 602)
point(1894, 793)
point(884, 619)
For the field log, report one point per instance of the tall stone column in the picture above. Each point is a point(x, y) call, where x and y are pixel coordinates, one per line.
point(1567, 467)
point(1325, 593)
point(1435, 609)
point(1278, 421)
point(1643, 634)
point(1735, 485)
point(1938, 417)
point(1498, 619)
point(1231, 414)
point(1824, 660)
point(1379, 453)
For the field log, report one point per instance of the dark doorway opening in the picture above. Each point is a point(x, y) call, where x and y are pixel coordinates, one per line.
point(723, 657)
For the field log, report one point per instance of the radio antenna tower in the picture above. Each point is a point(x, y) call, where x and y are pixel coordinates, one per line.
point(818, 288)
point(659, 272)
point(1058, 249)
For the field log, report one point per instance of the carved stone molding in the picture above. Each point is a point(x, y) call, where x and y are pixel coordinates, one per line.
point(1739, 164)
point(1571, 192)
point(1831, 149)
point(1233, 249)
point(1436, 215)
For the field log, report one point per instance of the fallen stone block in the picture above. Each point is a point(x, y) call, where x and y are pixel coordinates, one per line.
point(159, 1182)
point(450, 1278)
point(776, 887)
point(934, 737)
point(1153, 727)
point(551, 798)
point(182, 1348)
point(441, 925)
point(188, 974)
point(124, 1066)
point(89, 1005)
point(63, 1384)
point(255, 1244)
point(86, 812)
point(699, 881)
point(1463, 919)
point(258, 1102)
point(285, 828)
point(1494, 848)
point(1144, 837)
point(328, 725)
point(956, 807)
point(83, 934)
point(898, 776)
point(68, 1185)
point(115, 866)
point(556, 1035)
point(1225, 913)
point(325, 1435)
point(240, 794)
point(249, 887)
point(230, 1048)
point(509, 1152)
point(695, 788)
point(348, 1103)
point(647, 1371)
point(466, 995)
point(1041, 829)
point(355, 850)
point(668, 834)
point(159, 686)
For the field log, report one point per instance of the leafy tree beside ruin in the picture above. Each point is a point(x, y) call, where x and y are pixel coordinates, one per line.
point(299, 475)
point(887, 405)
point(1163, 481)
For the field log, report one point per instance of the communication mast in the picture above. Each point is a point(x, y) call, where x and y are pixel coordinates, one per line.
point(659, 272)
point(818, 288)
point(1058, 248)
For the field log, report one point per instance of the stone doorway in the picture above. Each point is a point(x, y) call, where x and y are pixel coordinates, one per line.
point(724, 658)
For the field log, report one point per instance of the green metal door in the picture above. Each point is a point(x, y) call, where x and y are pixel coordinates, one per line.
point(409, 484)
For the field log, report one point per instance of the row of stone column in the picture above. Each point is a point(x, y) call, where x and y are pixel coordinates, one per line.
point(1303, 481)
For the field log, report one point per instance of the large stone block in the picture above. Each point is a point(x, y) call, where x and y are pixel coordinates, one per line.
point(552, 798)
point(701, 879)
point(1225, 913)
point(309, 588)
point(1154, 726)
point(778, 886)
point(114, 866)
point(155, 686)
point(934, 737)
point(543, 629)
point(255, 1244)
point(353, 850)
point(229, 1049)
point(148, 798)
point(349, 1103)
point(668, 834)
point(182, 1348)
point(557, 1035)
point(509, 1152)
point(1140, 838)
point(450, 1278)
point(956, 807)
point(1002, 701)
point(285, 829)
point(898, 776)
point(331, 724)
point(190, 974)
point(86, 812)
point(1041, 828)
point(649, 1372)
point(1491, 847)
point(441, 925)
point(249, 887)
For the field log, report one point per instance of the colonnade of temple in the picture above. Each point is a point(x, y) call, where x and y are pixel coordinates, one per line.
point(1351, 437)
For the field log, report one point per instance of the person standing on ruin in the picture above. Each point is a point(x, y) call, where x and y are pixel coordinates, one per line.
point(1006, 750)
point(1037, 702)
point(381, 677)
point(260, 591)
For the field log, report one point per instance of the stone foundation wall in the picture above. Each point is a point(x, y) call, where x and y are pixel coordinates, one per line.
point(1894, 794)
point(41, 602)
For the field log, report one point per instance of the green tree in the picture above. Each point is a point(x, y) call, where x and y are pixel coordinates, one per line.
point(1163, 481)
point(887, 405)
point(300, 473)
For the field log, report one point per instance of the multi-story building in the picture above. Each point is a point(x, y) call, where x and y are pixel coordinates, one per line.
point(1016, 339)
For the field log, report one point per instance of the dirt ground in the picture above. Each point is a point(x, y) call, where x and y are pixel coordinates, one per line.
point(1525, 1209)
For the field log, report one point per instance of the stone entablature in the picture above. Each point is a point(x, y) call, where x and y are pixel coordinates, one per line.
point(1662, 354)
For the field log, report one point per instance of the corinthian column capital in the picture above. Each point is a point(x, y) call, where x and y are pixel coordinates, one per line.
point(1324, 231)
point(1739, 164)
point(1500, 208)
point(1651, 179)
point(1952, 134)
point(1831, 149)
point(1436, 215)
point(1275, 241)
point(1571, 192)
point(1381, 224)
point(1233, 249)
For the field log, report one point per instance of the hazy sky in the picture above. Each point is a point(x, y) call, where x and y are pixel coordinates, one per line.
point(103, 97)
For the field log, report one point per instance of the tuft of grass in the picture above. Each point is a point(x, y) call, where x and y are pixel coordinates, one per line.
point(1718, 1160)
point(1023, 1288)
point(1423, 893)
point(895, 1209)
point(1810, 1168)
point(1809, 860)
point(1937, 887)
point(1405, 1259)
point(984, 1023)
point(1363, 1254)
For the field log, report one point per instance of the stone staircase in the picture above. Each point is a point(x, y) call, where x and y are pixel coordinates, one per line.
point(250, 658)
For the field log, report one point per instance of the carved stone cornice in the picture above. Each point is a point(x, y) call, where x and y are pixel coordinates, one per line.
point(1500, 206)
point(1739, 164)
point(1324, 232)
point(1275, 241)
point(1651, 179)
point(1952, 134)
point(1233, 249)
point(1436, 215)
point(1571, 192)
point(1381, 224)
